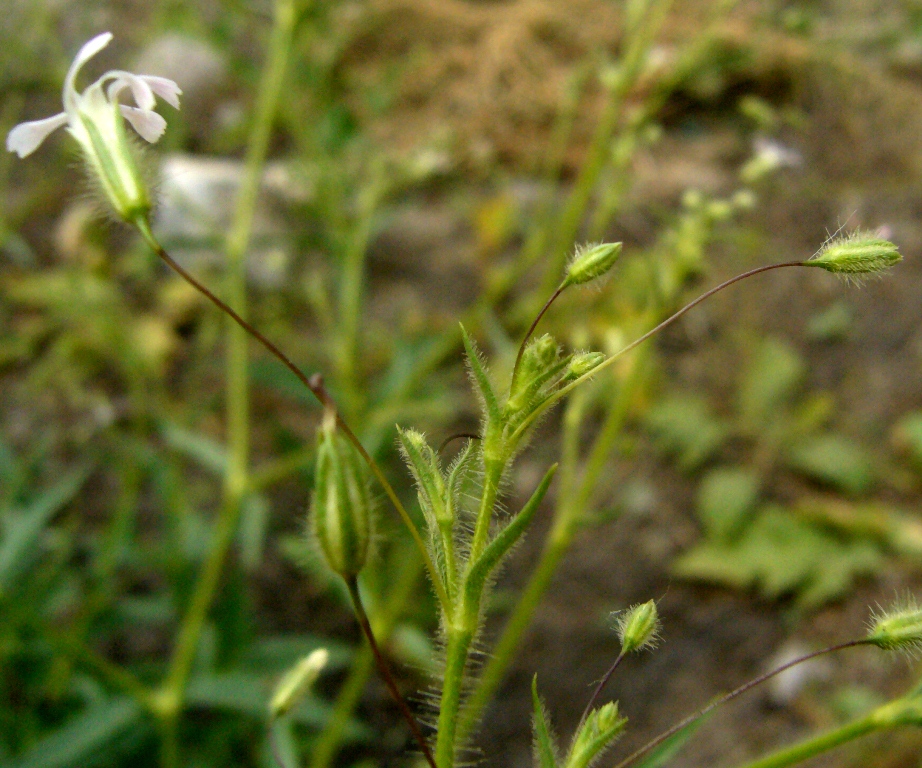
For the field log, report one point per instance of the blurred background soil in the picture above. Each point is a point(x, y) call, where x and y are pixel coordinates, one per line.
point(480, 81)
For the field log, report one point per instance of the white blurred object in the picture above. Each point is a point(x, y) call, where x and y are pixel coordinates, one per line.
point(785, 687)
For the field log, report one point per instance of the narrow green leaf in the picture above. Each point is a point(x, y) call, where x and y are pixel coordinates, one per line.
point(545, 748)
point(665, 752)
point(203, 450)
point(24, 528)
point(480, 378)
point(83, 737)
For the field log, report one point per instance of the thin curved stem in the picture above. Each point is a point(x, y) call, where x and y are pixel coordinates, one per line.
point(599, 688)
point(732, 695)
point(315, 385)
point(385, 671)
point(530, 331)
point(563, 391)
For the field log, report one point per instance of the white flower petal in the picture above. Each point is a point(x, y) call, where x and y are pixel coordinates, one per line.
point(140, 90)
point(165, 88)
point(88, 51)
point(25, 138)
point(147, 123)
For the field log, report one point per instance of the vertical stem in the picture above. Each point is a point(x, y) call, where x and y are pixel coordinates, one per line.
point(350, 302)
point(493, 472)
point(601, 686)
point(456, 651)
point(566, 517)
point(238, 240)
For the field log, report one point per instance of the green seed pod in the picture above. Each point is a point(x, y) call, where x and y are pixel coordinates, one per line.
point(341, 504)
point(591, 262)
point(856, 255)
point(638, 627)
point(583, 362)
point(296, 681)
point(898, 629)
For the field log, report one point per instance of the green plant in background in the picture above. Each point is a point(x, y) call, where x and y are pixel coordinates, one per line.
point(751, 540)
point(464, 534)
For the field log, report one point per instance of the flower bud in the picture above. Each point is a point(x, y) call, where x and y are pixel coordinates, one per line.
point(898, 629)
point(341, 502)
point(296, 681)
point(582, 363)
point(539, 358)
point(638, 627)
point(592, 262)
point(856, 255)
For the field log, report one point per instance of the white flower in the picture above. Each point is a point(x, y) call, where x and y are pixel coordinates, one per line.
point(94, 118)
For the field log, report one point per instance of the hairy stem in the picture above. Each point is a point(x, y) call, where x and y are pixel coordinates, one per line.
point(456, 651)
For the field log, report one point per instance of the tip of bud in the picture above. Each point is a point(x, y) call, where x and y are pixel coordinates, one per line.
point(638, 627)
point(295, 682)
point(856, 256)
point(582, 363)
point(899, 628)
point(591, 262)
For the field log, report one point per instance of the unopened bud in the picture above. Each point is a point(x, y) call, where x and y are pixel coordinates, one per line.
point(856, 255)
point(638, 627)
point(898, 629)
point(592, 262)
point(539, 357)
point(582, 363)
point(596, 734)
point(296, 681)
point(341, 502)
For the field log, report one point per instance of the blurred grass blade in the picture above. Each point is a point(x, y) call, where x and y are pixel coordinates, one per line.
point(23, 529)
point(83, 738)
point(666, 751)
point(201, 449)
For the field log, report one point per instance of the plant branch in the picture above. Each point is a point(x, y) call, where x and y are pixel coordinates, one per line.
point(530, 331)
point(384, 669)
point(598, 689)
point(730, 696)
point(563, 391)
point(314, 384)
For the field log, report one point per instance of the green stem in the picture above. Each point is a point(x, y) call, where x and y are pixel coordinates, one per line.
point(567, 515)
point(630, 68)
point(456, 652)
point(493, 472)
point(817, 745)
point(350, 303)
